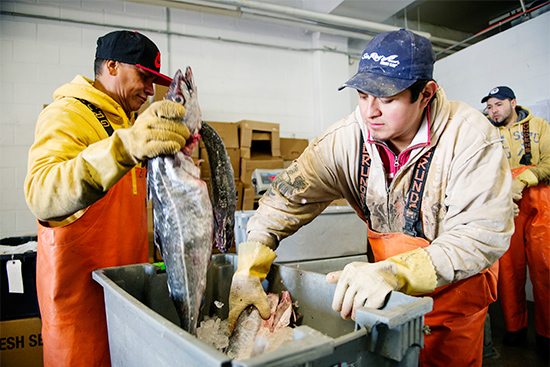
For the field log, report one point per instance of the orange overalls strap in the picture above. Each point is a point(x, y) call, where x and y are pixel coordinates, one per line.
point(112, 232)
point(457, 321)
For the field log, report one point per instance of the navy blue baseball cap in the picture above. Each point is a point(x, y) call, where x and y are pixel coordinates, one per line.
point(392, 62)
point(501, 92)
point(132, 48)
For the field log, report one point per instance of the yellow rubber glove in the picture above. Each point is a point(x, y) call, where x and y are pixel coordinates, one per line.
point(158, 130)
point(254, 262)
point(516, 209)
point(363, 284)
point(517, 189)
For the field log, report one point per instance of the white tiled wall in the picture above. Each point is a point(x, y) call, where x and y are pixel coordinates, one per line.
point(297, 89)
point(236, 81)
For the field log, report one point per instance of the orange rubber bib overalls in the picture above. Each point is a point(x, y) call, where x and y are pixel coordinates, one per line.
point(456, 324)
point(529, 246)
point(112, 232)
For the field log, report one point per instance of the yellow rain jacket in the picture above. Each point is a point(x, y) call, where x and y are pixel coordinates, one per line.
point(91, 207)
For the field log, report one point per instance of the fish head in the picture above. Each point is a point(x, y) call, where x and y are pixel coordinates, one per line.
point(183, 90)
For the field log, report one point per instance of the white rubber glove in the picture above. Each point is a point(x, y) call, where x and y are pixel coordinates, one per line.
point(363, 284)
point(254, 262)
point(367, 284)
point(157, 131)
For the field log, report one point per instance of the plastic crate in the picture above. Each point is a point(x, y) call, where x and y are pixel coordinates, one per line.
point(19, 305)
point(337, 231)
point(143, 324)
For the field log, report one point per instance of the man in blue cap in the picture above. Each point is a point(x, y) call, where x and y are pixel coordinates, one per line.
point(429, 178)
point(527, 146)
point(86, 184)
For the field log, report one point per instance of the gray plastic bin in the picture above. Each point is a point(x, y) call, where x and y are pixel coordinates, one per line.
point(143, 324)
point(337, 231)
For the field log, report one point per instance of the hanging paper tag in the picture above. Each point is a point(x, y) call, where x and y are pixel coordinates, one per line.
point(15, 276)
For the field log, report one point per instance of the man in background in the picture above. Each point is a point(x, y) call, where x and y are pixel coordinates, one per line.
point(527, 147)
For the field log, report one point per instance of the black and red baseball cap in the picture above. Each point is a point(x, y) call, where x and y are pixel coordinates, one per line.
point(132, 48)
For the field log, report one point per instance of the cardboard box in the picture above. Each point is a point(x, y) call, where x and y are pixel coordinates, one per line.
point(234, 156)
point(21, 342)
point(239, 186)
point(259, 137)
point(292, 148)
point(204, 164)
point(249, 165)
point(160, 92)
point(228, 131)
point(249, 198)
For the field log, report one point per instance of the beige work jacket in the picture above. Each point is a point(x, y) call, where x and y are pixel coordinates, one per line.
point(467, 213)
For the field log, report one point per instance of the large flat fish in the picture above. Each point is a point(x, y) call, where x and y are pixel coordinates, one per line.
point(182, 212)
point(222, 188)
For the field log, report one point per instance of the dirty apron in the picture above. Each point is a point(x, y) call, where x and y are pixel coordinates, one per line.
point(529, 247)
point(456, 323)
point(112, 232)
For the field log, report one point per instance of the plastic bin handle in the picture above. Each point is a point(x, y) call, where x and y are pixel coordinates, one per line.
point(400, 309)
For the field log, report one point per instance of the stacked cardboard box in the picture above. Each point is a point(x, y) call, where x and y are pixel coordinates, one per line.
point(259, 138)
point(250, 145)
point(291, 149)
point(229, 133)
point(260, 146)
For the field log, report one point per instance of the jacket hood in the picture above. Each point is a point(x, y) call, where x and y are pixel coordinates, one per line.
point(523, 115)
point(81, 87)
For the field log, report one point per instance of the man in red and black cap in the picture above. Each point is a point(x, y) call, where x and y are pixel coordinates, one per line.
point(87, 187)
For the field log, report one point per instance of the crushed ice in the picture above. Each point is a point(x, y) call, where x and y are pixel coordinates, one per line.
point(214, 332)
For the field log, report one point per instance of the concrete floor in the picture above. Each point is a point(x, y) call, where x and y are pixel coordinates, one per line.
point(505, 356)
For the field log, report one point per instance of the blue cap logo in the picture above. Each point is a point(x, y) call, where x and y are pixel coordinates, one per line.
point(383, 60)
point(392, 62)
